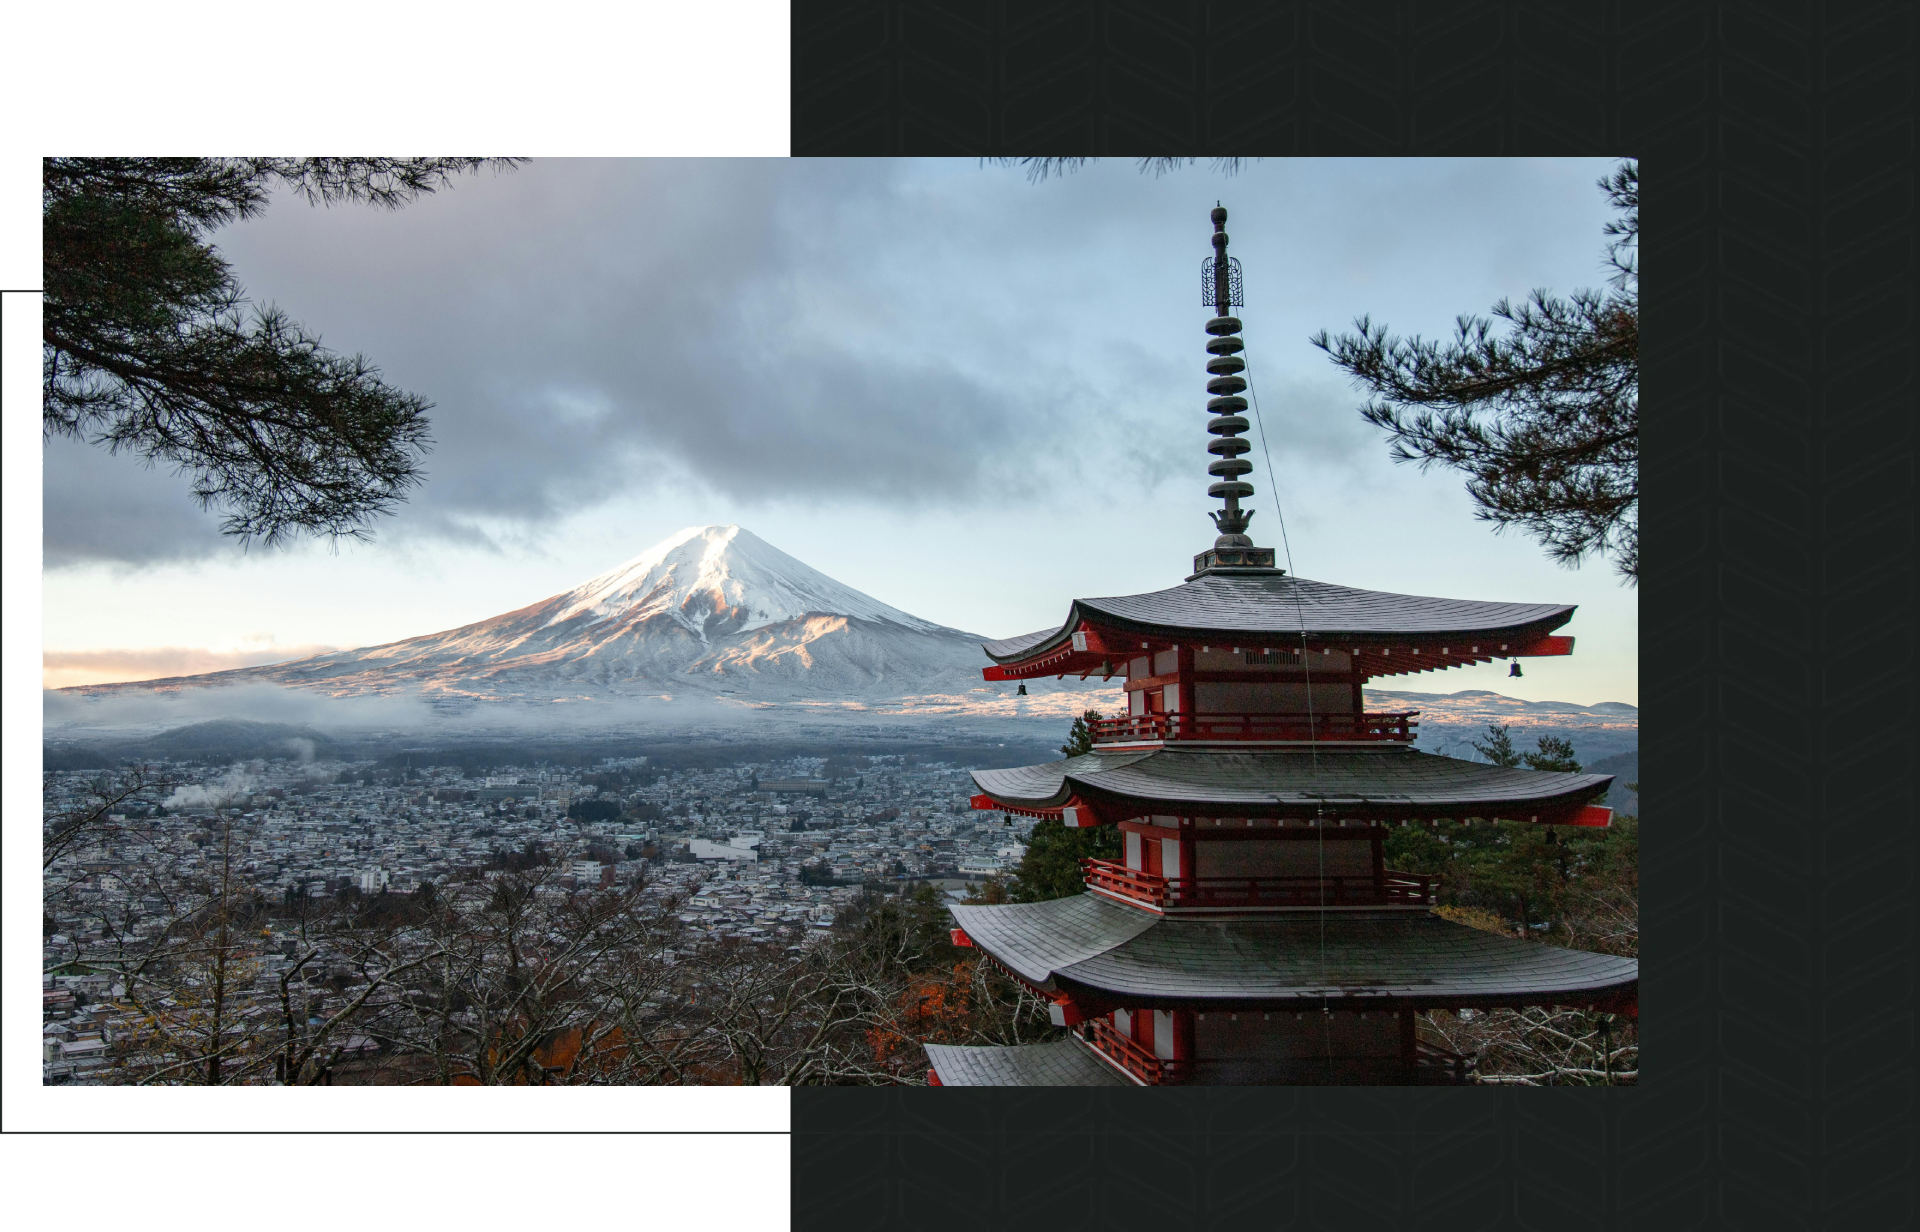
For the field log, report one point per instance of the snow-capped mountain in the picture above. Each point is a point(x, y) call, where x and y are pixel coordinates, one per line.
point(727, 579)
point(712, 613)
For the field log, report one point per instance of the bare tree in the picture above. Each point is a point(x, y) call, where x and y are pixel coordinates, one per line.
point(100, 818)
point(1542, 1046)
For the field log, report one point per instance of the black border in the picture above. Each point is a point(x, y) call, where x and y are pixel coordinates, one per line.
point(1777, 605)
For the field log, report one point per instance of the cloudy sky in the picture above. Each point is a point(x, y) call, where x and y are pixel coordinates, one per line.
point(971, 396)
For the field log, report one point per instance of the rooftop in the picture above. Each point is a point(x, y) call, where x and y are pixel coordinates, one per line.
point(1064, 1063)
point(1086, 944)
point(1386, 781)
point(1284, 608)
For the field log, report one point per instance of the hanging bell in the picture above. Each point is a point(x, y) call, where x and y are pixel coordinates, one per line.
point(1022, 691)
point(1514, 670)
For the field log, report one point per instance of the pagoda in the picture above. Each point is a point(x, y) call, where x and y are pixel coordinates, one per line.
point(1252, 933)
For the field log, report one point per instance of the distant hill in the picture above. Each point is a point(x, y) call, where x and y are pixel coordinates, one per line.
point(239, 738)
point(78, 757)
point(1625, 768)
point(1450, 723)
point(215, 740)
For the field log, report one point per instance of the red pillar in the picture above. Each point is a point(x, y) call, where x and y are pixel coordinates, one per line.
point(1183, 668)
point(1183, 1045)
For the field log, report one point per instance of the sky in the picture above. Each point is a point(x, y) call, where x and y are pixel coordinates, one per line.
point(972, 396)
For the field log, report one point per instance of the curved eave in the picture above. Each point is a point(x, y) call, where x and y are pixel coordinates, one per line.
point(1296, 784)
point(1099, 953)
point(1110, 638)
point(1517, 636)
point(1012, 649)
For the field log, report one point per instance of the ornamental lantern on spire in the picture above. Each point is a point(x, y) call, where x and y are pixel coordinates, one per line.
point(1251, 933)
point(1233, 551)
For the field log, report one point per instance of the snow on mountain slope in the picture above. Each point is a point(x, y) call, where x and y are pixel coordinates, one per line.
point(736, 571)
point(713, 612)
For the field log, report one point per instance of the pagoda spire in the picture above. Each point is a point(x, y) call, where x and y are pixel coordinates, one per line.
point(1233, 551)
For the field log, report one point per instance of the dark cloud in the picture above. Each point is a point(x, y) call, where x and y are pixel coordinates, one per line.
point(853, 331)
point(586, 328)
point(101, 506)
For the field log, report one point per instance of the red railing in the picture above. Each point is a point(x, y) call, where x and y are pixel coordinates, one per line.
point(1119, 879)
point(1393, 889)
point(1136, 1060)
point(1396, 726)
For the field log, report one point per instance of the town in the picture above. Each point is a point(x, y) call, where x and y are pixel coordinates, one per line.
point(761, 852)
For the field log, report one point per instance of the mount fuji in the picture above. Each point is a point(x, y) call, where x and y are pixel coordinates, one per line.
point(713, 614)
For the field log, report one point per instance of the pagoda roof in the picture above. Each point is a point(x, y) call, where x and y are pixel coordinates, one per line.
point(1063, 1063)
point(1384, 781)
point(1089, 945)
point(1252, 606)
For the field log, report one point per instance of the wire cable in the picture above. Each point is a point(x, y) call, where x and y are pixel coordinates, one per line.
point(1306, 664)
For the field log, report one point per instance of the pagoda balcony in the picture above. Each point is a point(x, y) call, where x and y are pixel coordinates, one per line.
point(1392, 889)
point(1271, 728)
point(1434, 1066)
point(1130, 1056)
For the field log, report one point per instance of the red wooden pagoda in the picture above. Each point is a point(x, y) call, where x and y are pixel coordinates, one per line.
point(1252, 934)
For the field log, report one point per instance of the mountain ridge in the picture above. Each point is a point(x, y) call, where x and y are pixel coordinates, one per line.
point(714, 627)
point(712, 613)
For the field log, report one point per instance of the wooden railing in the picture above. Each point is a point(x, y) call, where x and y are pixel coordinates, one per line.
point(1412, 889)
point(1441, 1063)
point(1432, 1066)
point(1396, 726)
point(1119, 879)
point(1130, 1056)
point(1393, 889)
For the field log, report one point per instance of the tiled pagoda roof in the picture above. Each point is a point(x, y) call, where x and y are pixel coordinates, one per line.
point(1063, 1063)
point(1350, 960)
point(1391, 781)
point(1223, 606)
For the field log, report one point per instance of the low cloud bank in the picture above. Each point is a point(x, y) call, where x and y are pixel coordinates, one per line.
point(62, 669)
point(153, 709)
point(140, 711)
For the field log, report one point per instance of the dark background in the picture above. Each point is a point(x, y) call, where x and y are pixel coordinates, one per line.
point(1777, 605)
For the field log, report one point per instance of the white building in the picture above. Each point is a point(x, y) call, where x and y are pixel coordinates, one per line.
point(702, 849)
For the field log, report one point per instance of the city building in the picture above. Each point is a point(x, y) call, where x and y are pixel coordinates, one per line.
point(1251, 933)
point(795, 787)
point(704, 849)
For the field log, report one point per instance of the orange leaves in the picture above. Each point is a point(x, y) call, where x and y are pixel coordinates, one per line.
point(935, 1008)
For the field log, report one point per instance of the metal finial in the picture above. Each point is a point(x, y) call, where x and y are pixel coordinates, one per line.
point(1220, 274)
point(1233, 551)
